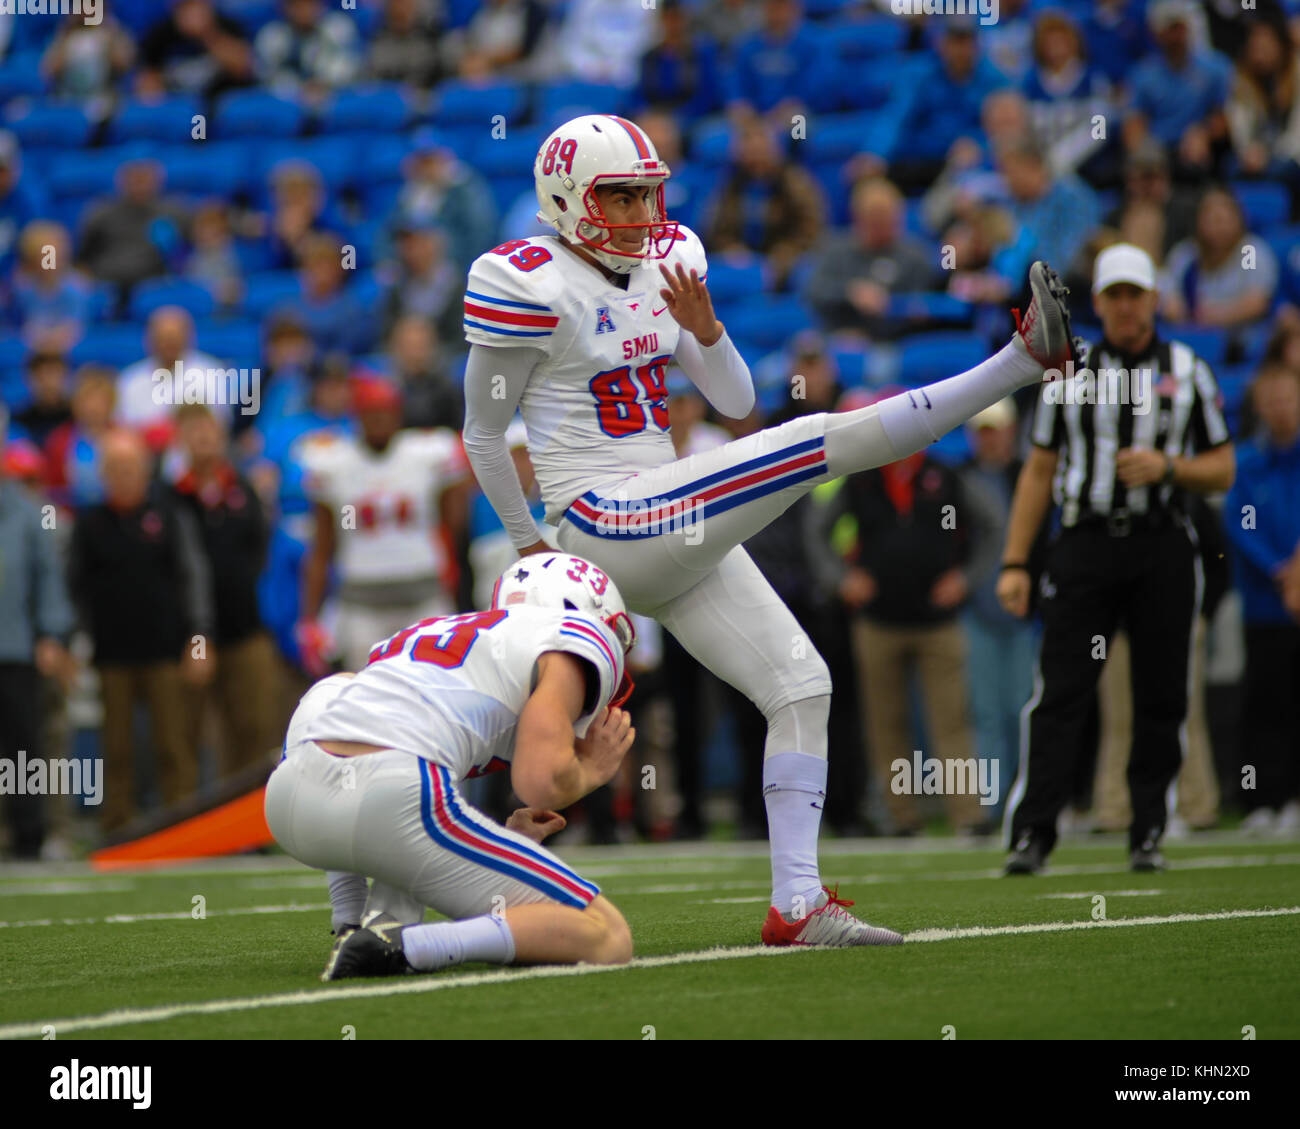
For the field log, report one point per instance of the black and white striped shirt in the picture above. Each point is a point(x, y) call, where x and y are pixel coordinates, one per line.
point(1089, 418)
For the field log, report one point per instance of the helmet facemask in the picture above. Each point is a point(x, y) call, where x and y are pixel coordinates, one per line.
point(597, 234)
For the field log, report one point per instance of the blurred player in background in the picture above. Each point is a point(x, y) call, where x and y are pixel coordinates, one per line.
point(388, 505)
point(369, 785)
point(571, 329)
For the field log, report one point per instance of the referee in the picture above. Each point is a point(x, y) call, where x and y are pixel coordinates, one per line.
point(1118, 462)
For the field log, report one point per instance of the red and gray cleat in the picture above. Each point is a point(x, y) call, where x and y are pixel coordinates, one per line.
point(829, 924)
point(1044, 328)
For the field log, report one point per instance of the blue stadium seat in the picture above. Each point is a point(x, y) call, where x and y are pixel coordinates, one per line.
point(383, 158)
point(507, 189)
point(239, 342)
point(209, 168)
point(117, 344)
point(769, 322)
point(856, 41)
point(40, 124)
point(837, 137)
point(1209, 343)
point(882, 80)
point(711, 142)
point(265, 291)
point(154, 293)
point(166, 120)
point(335, 158)
point(834, 182)
point(13, 351)
point(851, 366)
point(465, 103)
point(382, 108)
point(84, 175)
point(256, 113)
point(734, 278)
point(928, 357)
point(510, 156)
point(1265, 203)
point(20, 75)
point(952, 449)
point(558, 102)
point(921, 305)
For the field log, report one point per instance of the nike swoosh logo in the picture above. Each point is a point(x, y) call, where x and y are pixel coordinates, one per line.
point(659, 311)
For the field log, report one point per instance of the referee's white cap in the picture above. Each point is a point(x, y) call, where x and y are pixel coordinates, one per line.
point(1123, 262)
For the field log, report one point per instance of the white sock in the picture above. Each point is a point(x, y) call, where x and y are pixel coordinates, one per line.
point(894, 428)
point(348, 893)
point(794, 790)
point(445, 943)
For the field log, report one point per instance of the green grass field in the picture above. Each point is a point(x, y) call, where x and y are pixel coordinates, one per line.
point(124, 955)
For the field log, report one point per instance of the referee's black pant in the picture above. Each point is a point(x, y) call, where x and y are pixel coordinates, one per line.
point(1149, 581)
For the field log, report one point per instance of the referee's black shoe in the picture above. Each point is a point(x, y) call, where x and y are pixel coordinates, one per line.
point(373, 950)
point(1028, 856)
point(1147, 857)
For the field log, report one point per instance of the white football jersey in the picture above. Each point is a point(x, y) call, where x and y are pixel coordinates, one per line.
point(451, 689)
point(389, 532)
point(596, 407)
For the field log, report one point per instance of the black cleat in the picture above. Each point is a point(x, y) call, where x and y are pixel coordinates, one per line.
point(1147, 858)
point(1028, 857)
point(345, 931)
point(373, 950)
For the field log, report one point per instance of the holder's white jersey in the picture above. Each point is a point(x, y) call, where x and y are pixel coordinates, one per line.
point(596, 407)
point(451, 689)
point(389, 533)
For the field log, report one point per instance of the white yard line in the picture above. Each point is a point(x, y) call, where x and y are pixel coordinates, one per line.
point(1109, 893)
point(64, 886)
point(182, 915)
point(405, 986)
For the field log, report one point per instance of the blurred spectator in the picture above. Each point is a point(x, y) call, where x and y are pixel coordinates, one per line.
point(781, 68)
point(194, 49)
point(688, 424)
point(84, 63)
point(233, 531)
point(36, 621)
point(727, 22)
point(288, 363)
point(72, 450)
point(1066, 92)
point(135, 234)
point(1058, 215)
point(681, 71)
point(49, 409)
point(299, 208)
point(766, 203)
point(143, 400)
point(1116, 37)
point(687, 189)
point(1003, 647)
point(213, 261)
point(20, 198)
point(423, 282)
point(853, 277)
point(326, 305)
point(1263, 524)
point(942, 107)
point(310, 47)
point(1178, 95)
point(1223, 276)
point(990, 253)
point(1154, 213)
point(497, 40)
point(1264, 108)
point(405, 48)
point(140, 581)
point(388, 506)
point(439, 188)
point(1007, 42)
point(52, 301)
point(905, 576)
point(603, 41)
point(430, 397)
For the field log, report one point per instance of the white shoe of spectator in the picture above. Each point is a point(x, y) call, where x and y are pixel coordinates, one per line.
point(1260, 822)
point(1288, 819)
